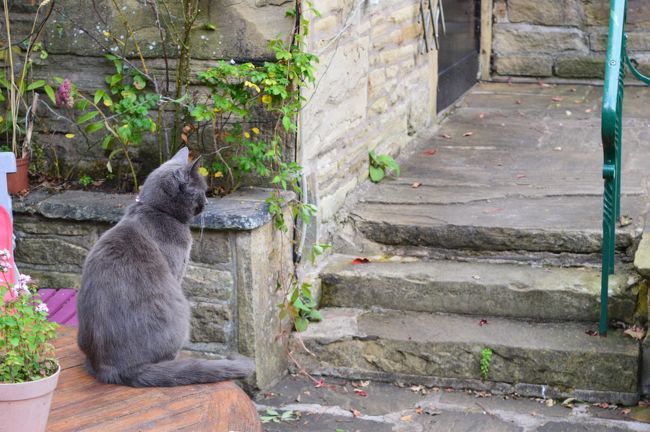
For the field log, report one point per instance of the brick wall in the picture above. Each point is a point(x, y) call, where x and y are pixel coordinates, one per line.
point(562, 38)
point(376, 91)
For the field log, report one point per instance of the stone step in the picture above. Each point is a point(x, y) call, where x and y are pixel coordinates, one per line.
point(472, 288)
point(532, 359)
point(455, 220)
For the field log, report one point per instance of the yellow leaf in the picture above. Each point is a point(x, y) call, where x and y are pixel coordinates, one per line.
point(267, 99)
point(69, 135)
point(107, 34)
point(108, 102)
point(203, 171)
point(218, 174)
point(256, 131)
point(247, 135)
point(252, 85)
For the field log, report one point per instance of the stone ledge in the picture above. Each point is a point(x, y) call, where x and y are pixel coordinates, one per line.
point(242, 211)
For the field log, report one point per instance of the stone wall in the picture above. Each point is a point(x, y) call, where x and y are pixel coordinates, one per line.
point(376, 91)
point(563, 38)
point(236, 259)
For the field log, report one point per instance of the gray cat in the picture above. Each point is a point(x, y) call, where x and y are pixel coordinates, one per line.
point(133, 316)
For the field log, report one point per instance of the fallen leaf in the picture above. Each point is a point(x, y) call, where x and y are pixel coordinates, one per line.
point(320, 383)
point(644, 404)
point(69, 135)
point(520, 175)
point(481, 115)
point(360, 261)
point(518, 101)
point(446, 136)
point(635, 332)
point(355, 413)
point(361, 393)
point(569, 403)
point(449, 390)
point(568, 113)
point(430, 410)
point(406, 418)
point(626, 411)
point(483, 322)
point(491, 210)
point(592, 332)
point(572, 89)
point(543, 84)
point(624, 221)
point(588, 110)
point(360, 383)
point(510, 81)
point(416, 185)
point(419, 410)
point(476, 277)
point(603, 405)
point(556, 98)
point(550, 402)
point(468, 134)
point(557, 148)
point(417, 388)
point(429, 152)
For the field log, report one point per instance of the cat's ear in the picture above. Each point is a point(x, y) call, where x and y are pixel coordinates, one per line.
point(181, 156)
point(194, 165)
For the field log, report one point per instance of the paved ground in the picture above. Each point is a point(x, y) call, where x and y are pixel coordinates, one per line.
point(339, 406)
point(524, 158)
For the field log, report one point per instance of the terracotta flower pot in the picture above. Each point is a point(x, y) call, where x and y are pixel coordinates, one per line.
point(26, 406)
point(19, 181)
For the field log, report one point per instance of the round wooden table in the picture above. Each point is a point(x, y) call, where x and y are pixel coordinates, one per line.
point(82, 404)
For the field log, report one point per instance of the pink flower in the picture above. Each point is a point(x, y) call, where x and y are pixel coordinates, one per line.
point(64, 94)
point(42, 307)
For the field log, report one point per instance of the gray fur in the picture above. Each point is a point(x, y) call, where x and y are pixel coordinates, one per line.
point(133, 316)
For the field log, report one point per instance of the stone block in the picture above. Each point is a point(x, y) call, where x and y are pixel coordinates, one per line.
point(523, 65)
point(49, 251)
point(210, 247)
point(525, 38)
point(597, 13)
point(580, 66)
point(210, 322)
point(208, 284)
point(547, 12)
point(642, 256)
point(500, 11)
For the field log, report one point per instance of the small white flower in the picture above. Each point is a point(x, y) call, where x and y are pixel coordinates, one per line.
point(4, 254)
point(232, 61)
point(42, 307)
point(24, 279)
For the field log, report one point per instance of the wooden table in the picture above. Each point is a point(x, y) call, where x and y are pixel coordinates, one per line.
point(82, 404)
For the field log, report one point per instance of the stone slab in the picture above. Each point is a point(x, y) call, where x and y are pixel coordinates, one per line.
point(548, 358)
point(397, 407)
point(482, 289)
point(244, 210)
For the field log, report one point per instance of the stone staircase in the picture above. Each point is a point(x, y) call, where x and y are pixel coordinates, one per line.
point(498, 248)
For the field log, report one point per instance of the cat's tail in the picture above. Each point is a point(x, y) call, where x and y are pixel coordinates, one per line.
point(187, 371)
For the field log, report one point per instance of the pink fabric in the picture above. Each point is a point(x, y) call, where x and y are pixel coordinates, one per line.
point(6, 242)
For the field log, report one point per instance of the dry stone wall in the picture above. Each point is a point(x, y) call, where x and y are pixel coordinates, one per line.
point(563, 38)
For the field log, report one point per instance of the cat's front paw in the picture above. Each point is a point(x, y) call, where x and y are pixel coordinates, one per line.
point(242, 364)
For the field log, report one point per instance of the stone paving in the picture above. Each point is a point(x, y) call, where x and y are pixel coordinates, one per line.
point(339, 406)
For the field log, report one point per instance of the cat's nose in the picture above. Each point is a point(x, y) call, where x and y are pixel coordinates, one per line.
point(206, 201)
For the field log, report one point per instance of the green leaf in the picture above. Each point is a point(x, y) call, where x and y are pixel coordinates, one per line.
point(286, 123)
point(86, 117)
point(106, 142)
point(315, 315)
point(376, 174)
point(43, 55)
point(209, 27)
point(94, 127)
point(50, 93)
point(14, 341)
point(99, 94)
point(301, 324)
point(35, 85)
point(139, 82)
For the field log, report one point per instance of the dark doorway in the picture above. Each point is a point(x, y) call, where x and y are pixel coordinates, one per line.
point(459, 49)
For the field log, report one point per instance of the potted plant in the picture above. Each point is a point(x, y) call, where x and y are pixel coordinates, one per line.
point(28, 368)
point(19, 94)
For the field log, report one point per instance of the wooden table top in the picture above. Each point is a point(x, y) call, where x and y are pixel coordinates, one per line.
point(81, 403)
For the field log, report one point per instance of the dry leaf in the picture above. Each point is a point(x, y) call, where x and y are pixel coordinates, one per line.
point(550, 402)
point(588, 110)
point(360, 383)
point(320, 383)
point(483, 322)
point(592, 332)
point(476, 277)
point(644, 404)
point(573, 89)
point(518, 101)
point(635, 332)
point(446, 136)
point(626, 411)
point(355, 413)
point(557, 148)
point(361, 393)
point(406, 418)
point(509, 81)
point(468, 134)
point(603, 405)
point(568, 113)
point(481, 115)
point(556, 98)
point(521, 175)
point(416, 185)
point(429, 152)
point(360, 261)
point(624, 221)
point(419, 410)
point(569, 403)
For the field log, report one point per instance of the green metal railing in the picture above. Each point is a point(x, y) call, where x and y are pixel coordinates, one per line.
point(611, 130)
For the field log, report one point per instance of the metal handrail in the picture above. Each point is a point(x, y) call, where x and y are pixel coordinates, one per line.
point(611, 132)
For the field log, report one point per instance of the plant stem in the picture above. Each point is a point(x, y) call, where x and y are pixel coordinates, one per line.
point(12, 90)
